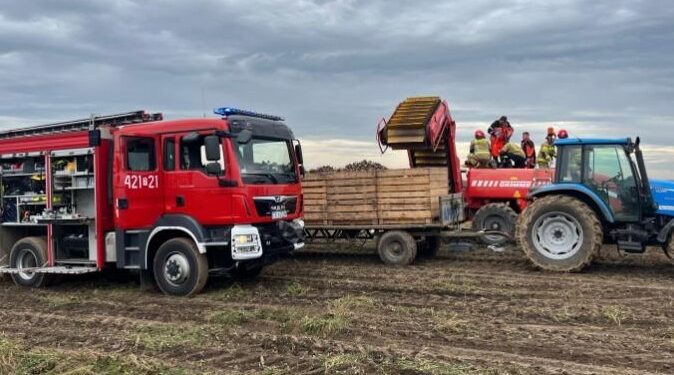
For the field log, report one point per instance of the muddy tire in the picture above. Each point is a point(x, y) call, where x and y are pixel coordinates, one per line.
point(397, 248)
point(30, 252)
point(428, 248)
point(496, 217)
point(560, 233)
point(179, 268)
point(670, 248)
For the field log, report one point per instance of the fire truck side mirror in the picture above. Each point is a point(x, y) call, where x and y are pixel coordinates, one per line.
point(298, 153)
point(244, 136)
point(94, 138)
point(212, 145)
point(214, 169)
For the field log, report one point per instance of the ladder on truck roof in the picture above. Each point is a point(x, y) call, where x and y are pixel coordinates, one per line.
point(91, 123)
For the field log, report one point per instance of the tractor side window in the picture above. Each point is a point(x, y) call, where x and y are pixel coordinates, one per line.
point(570, 164)
point(140, 154)
point(609, 174)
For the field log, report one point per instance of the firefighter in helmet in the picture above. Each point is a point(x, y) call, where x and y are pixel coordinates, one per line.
point(479, 156)
point(529, 149)
point(512, 156)
point(547, 152)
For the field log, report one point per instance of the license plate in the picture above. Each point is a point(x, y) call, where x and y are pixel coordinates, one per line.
point(279, 214)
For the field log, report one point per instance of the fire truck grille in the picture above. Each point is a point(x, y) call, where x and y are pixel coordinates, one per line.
point(267, 206)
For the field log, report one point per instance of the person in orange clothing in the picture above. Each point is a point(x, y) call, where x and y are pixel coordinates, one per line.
point(500, 132)
point(529, 150)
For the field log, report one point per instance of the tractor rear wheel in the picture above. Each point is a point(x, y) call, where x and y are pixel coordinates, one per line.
point(495, 217)
point(560, 233)
point(397, 248)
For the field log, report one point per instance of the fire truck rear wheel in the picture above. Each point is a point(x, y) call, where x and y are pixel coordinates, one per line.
point(397, 248)
point(179, 268)
point(495, 217)
point(29, 252)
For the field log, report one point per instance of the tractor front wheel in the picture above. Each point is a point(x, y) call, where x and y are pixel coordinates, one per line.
point(560, 233)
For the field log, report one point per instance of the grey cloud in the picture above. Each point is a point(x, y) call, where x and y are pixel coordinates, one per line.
point(333, 68)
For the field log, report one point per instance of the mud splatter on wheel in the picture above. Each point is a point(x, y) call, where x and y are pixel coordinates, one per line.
point(560, 233)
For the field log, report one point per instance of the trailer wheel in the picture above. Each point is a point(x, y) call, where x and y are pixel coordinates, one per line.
point(495, 217)
point(428, 248)
point(29, 252)
point(560, 233)
point(179, 268)
point(397, 248)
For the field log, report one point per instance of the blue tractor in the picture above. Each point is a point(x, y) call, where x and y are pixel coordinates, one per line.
point(600, 194)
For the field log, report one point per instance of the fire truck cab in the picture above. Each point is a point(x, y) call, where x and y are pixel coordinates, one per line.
point(175, 200)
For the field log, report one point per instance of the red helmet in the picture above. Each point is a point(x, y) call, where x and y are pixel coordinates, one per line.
point(562, 134)
point(479, 134)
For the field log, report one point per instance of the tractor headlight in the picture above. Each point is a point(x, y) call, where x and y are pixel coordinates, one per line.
point(246, 242)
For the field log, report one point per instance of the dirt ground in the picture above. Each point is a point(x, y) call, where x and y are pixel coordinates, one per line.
point(316, 313)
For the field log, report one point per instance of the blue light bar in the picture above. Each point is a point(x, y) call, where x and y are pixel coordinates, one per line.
point(229, 111)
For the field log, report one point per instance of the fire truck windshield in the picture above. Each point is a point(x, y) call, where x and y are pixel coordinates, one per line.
point(266, 161)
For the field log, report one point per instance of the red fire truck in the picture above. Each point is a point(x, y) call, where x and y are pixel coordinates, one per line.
point(175, 200)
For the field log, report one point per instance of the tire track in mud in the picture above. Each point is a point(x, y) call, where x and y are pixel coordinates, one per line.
point(507, 317)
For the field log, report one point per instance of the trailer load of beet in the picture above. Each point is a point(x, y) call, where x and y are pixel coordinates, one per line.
point(383, 197)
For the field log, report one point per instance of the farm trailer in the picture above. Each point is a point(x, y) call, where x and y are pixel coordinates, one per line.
point(408, 211)
point(176, 200)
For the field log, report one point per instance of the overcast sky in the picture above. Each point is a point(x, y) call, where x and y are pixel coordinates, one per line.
point(334, 68)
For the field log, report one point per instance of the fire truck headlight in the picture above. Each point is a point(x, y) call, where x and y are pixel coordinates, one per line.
point(246, 242)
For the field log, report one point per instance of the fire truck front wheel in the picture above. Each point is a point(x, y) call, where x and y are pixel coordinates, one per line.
point(179, 268)
point(29, 252)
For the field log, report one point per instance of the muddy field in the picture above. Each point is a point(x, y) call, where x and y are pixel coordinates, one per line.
point(316, 313)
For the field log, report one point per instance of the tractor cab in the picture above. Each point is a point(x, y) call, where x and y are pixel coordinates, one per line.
point(611, 171)
point(601, 195)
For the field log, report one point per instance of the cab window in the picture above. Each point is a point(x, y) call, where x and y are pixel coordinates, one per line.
point(608, 173)
point(570, 164)
point(140, 154)
point(193, 154)
point(169, 154)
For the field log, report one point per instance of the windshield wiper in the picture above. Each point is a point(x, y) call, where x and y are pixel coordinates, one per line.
point(270, 176)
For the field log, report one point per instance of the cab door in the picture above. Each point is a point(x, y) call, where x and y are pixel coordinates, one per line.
point(138, 195)
point(609, 173)
point(189, 189)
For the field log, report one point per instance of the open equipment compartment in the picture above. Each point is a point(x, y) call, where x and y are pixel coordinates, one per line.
point(23, 187)
point(73, 220)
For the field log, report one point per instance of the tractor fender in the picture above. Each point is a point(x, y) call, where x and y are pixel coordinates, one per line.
point(579, 191)
point(663, 235)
